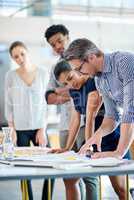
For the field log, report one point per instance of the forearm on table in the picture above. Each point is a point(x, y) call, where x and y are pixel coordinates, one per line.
point(126, 138)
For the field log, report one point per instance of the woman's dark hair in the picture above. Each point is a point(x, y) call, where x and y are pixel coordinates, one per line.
point(15, 44)
point(54, 29)
point(61, 66)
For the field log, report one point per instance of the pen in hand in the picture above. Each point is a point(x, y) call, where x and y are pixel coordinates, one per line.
point(89, 153)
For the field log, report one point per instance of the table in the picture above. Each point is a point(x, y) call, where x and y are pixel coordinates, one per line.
point(15, 173)
point(18, 173)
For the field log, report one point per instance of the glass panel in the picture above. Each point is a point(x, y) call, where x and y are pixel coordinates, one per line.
point(72, 2)
point(105, 3)
point(128, 4)
point(11, 7)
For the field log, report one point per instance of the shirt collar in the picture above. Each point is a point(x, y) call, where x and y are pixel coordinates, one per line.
point(107, 63)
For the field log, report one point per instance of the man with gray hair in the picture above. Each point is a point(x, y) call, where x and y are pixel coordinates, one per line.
point(114, 77)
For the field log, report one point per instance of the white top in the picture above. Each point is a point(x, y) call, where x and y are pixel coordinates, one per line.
point(25, 105)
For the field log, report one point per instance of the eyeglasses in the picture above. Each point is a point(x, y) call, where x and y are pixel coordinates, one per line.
point(80, 67)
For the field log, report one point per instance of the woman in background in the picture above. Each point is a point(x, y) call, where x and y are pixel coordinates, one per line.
point(24, 100)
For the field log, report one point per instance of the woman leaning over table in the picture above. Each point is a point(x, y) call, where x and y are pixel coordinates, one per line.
point(24, 100)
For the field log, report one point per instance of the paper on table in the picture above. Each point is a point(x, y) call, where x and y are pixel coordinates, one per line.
point(30, 151)
point(105, 162)
point(47, 160)
point(43, 154)
point(62, 158)
point(67, 160)
point(99, 162)
point(108, 161)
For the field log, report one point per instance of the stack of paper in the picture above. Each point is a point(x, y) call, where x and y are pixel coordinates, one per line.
point(66, 161)
point(105, 162)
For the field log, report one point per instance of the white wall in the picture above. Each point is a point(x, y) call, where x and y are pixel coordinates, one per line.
point(29, 30)
point(109, 34)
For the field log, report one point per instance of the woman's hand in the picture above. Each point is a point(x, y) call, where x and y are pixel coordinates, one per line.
point(41, 140)
point(95, 139)
point(83, 150)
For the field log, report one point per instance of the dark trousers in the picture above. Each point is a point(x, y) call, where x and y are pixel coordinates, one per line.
point(23, 139)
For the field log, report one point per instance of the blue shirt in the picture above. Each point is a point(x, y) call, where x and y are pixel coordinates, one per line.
point(109, 142)
point(116, 84)
point(80, 96)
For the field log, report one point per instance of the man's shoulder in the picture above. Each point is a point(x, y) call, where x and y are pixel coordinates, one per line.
point(121, 55)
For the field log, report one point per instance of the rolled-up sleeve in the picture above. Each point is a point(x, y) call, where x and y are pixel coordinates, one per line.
point(128, 103)
point(126, 72)
point(111, 109)
point(8, 98)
